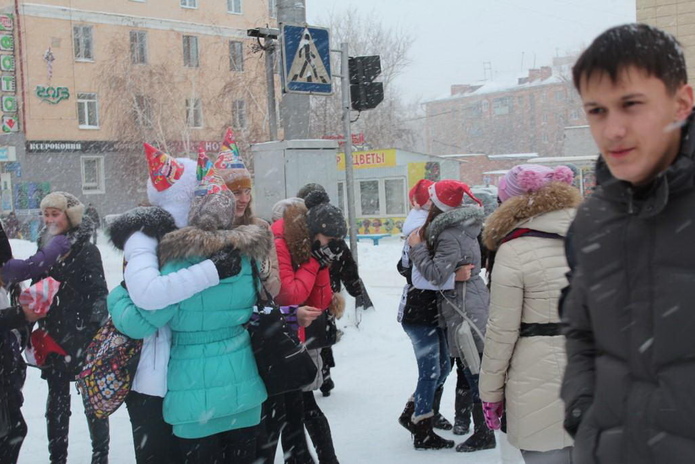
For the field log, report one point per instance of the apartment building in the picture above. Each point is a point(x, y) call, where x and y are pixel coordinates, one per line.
point(525, 114)
point(85, 82)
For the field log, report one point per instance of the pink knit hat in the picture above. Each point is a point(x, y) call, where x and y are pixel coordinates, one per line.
point(527, 178)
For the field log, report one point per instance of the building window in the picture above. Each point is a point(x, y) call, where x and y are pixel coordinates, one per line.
point(559, 95)
point(369, 198)
point(83, 43)
point(574, 115)
point(138, 47)
point(189, 3)
point(236, 56)
point(379, 197)
point(273, 8)
point(394, 193)
point(502, 105)
point(143, 111)
point(194, 112)
point(544, 138)
point(92, 174)
point(87, 111)
point(234, 6)
point(239, 114)
point(485, 105)
point(341, 196)
point(190, 51)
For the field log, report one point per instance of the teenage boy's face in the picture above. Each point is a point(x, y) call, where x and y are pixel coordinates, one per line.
point(635, 122)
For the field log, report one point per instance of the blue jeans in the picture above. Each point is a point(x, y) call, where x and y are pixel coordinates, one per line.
point(433, 363)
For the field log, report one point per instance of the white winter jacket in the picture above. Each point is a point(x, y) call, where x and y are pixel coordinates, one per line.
point(527, 277)
point(149, 290)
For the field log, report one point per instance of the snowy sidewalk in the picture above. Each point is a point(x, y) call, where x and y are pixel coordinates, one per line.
point(375, 374)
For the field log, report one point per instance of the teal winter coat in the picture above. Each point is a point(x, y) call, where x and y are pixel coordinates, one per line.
point(213, 384)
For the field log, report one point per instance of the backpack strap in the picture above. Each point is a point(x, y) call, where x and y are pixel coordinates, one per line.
point(525, 232)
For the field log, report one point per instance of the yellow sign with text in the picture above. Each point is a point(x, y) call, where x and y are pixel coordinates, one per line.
point(369, 159)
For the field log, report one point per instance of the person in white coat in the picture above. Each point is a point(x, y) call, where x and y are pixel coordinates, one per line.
point(170, 190)
point(524, 357)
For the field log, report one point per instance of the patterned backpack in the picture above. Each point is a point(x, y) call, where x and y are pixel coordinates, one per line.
point(108, 370)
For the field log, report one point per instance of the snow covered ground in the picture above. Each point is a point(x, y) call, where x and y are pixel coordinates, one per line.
point(375, 374)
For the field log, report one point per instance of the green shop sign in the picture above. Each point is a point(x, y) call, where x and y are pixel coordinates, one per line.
point(52, 95)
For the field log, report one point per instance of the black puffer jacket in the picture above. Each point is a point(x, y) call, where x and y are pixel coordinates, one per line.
point(79, 307)
point(630, 377)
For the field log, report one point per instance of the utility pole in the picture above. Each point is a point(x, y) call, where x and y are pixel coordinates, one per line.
point(294, 108)
point(349, 175)
point(268, 46)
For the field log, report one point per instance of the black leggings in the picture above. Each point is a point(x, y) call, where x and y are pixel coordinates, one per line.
point(153, 438)
point(58, 420)
point(11, 443)
point(235, 446)
point(283, 415)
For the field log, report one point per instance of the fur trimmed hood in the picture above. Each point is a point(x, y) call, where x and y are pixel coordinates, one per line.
point(555, 196)
point(152, 221)
point(252, 241)
point(466, 217)
point(296, 233)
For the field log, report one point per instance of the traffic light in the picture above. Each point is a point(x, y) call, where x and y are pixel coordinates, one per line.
point(365, 94)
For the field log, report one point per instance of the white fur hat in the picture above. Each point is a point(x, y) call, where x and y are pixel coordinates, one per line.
point(177, 198)
point(66, 202)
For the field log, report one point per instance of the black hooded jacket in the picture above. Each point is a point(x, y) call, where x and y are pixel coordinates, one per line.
point(79, 308)
point(630, 379)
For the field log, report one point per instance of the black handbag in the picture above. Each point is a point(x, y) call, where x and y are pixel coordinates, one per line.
point(322, 332)
point(283, 362)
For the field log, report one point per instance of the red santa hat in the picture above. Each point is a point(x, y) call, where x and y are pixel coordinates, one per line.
point(419, 195)
point(448, 194)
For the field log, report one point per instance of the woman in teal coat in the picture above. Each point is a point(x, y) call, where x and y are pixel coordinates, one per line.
point(214, 393)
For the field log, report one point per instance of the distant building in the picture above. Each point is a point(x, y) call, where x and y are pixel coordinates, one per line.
point(518, 115)
point(85, 82)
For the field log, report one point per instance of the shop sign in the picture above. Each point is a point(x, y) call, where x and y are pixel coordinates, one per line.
point(7, 83)
point(75, 146)
point(9, 104)
point(6, 22)
point(52, 95)
point(6, 43)
point(369, 159)
point(9, 123)
point(7, 63)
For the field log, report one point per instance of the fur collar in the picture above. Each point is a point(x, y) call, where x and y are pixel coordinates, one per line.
point(553, 197)
point(153, 221)
point(296, 233)
point(77, 236)
point(465, 217)
point(252, 241)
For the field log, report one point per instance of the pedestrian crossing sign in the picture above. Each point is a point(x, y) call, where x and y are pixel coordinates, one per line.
point(306, 59)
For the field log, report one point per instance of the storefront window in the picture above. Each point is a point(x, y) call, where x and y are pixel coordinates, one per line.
point(395, 196)
point(369, 197)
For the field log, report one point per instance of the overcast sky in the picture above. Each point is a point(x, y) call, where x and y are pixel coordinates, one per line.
point(453, 38)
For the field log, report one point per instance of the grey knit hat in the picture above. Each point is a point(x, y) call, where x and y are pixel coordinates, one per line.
point(213, 205)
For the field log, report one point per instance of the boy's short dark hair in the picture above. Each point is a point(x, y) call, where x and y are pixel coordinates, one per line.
point(652, 50)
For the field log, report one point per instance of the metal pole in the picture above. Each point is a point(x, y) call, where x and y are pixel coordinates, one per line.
point(270, 78)
point(349, 175)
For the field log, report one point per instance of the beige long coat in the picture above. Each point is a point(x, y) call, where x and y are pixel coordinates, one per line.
point(527, 277)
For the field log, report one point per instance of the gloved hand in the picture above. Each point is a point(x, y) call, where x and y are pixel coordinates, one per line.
point(227, 262)
point(326, 254)
point(362, 300)
point(61, 243)
point(493, 412)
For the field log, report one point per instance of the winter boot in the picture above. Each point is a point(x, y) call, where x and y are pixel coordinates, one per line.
point(320, 433)
point(482, 438)
point(439, 421)
point(425, 438)
point(406, 416)
point(463, 405)
point(99, 434)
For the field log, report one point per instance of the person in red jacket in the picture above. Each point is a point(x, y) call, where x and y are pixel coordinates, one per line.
point(305, 240)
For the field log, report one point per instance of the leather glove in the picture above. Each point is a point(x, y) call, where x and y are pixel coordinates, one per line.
point(362, 300)
point(493, 412)
point(227, 262)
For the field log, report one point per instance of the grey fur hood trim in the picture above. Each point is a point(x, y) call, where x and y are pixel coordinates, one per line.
point(553, 197)
point(252, 241)
point(152, 221)
point(465, 216)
